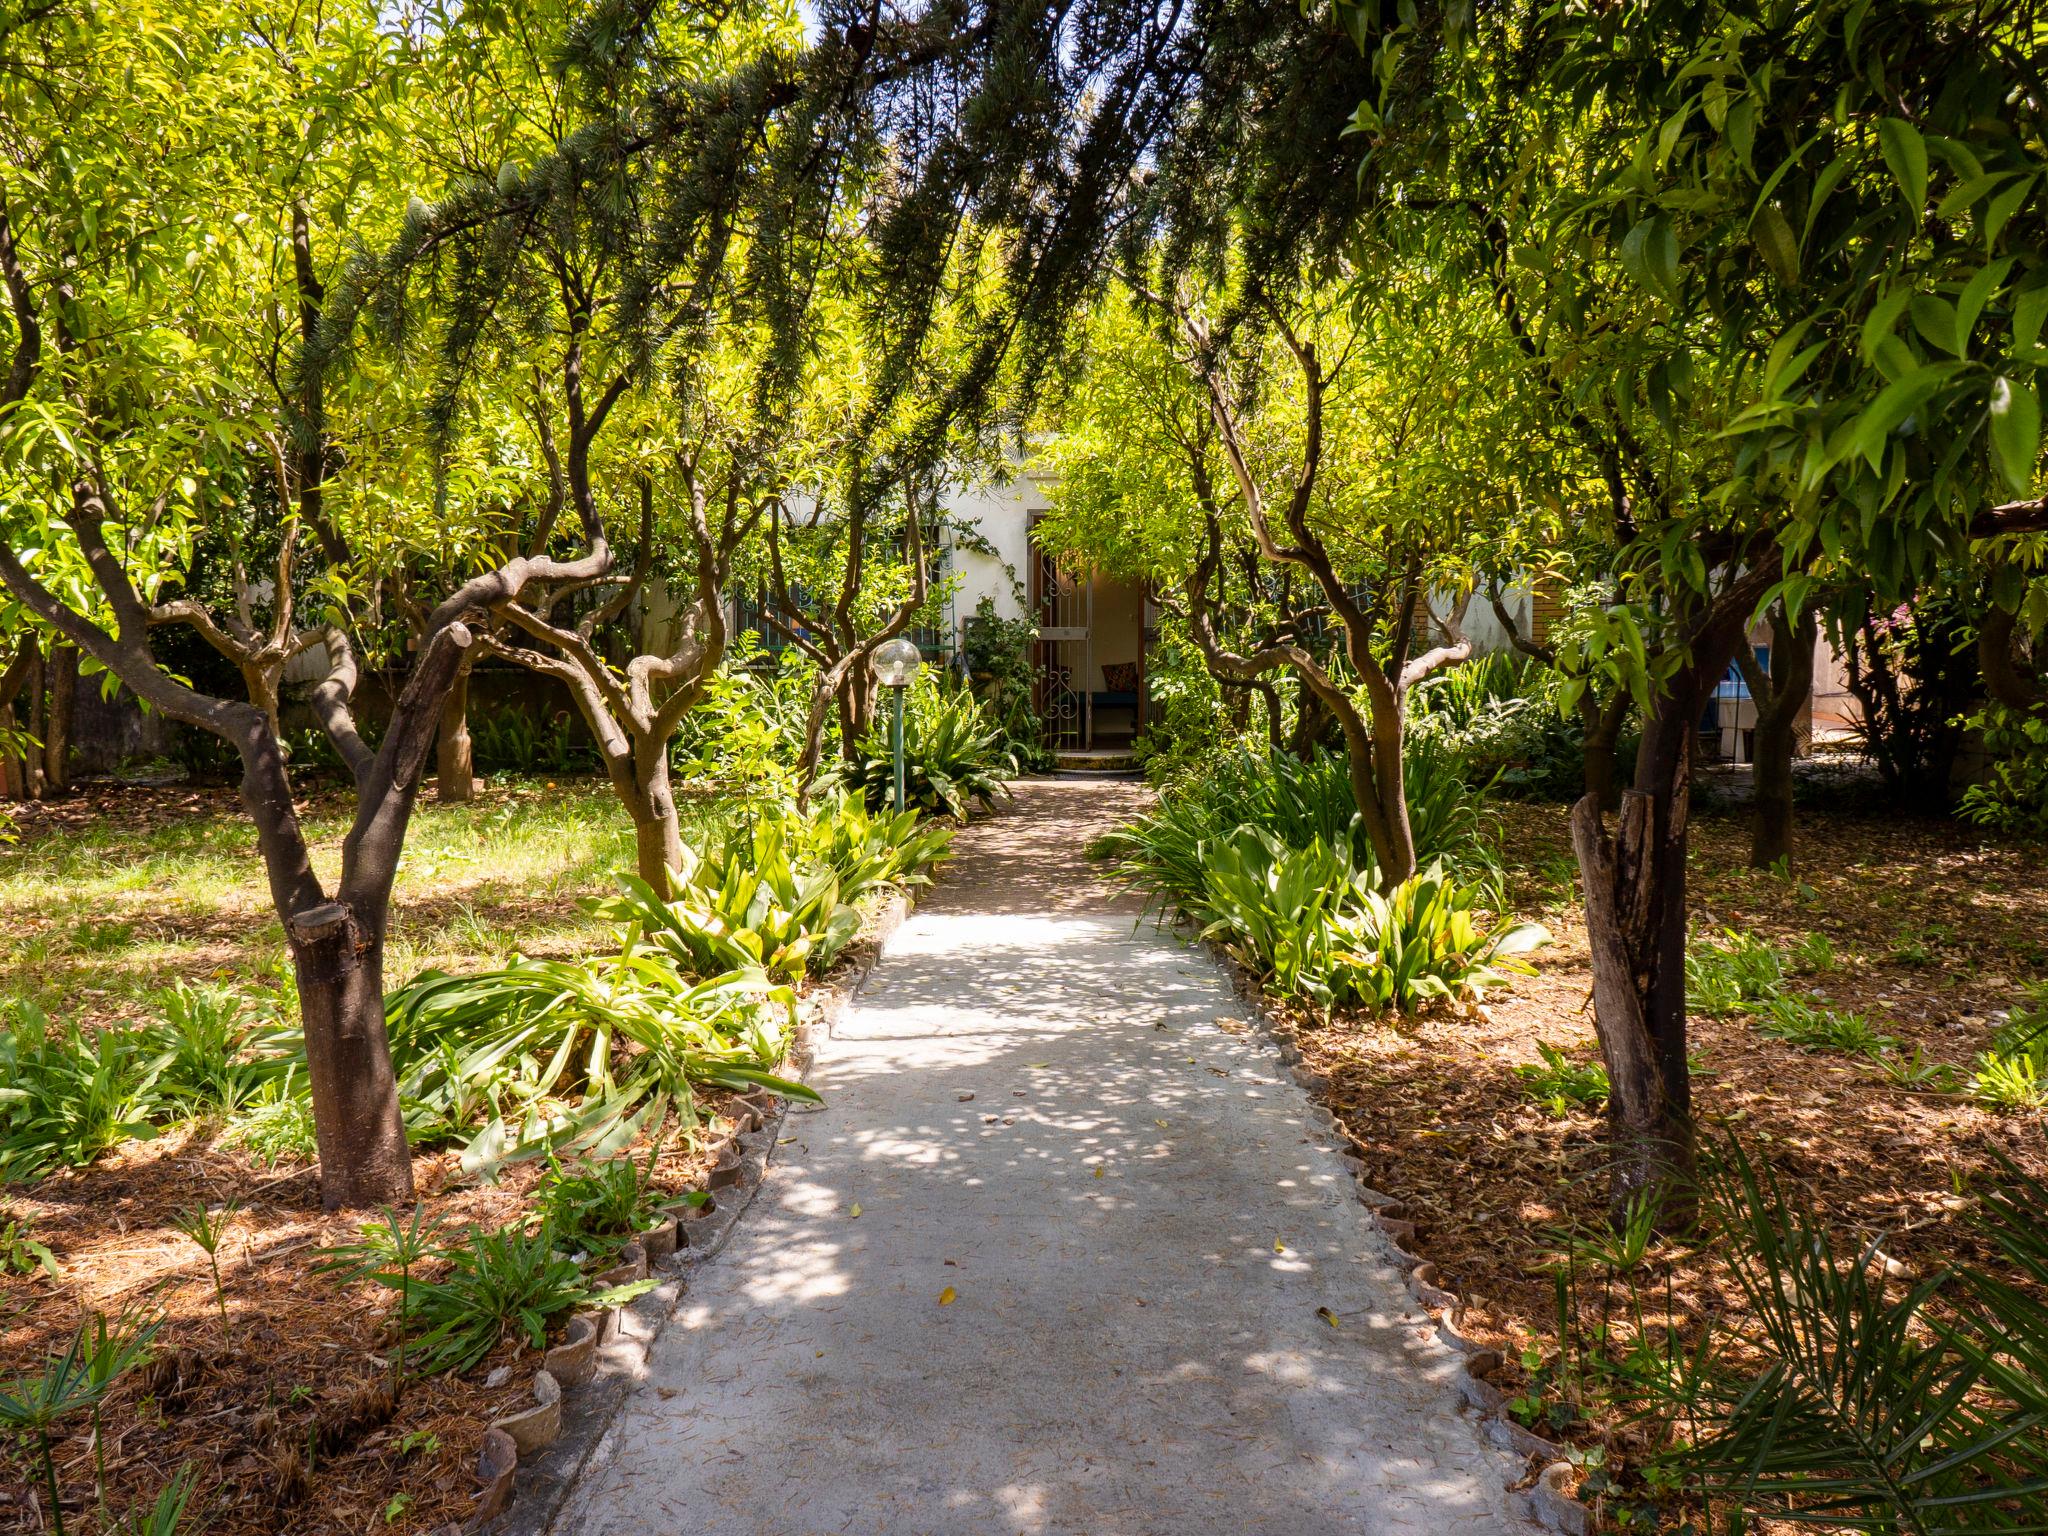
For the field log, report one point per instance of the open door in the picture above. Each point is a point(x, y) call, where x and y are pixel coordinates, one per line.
point(1092, 632)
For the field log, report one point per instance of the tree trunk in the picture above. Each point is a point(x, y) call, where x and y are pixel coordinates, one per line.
point(1634, 881)
point(364, 1159)
point(454, 757)
point(1372, 756)
point(1276, 725)
point(1312, 725)
point(62, 685)
point(1398, 860)
point(1237, 709)
point(12, 681)
point(1603, 723)
point(856, 707)
point(10, 765)
point(657, 835)
point(32, 782)
point(1777, 717)
point(337, 949)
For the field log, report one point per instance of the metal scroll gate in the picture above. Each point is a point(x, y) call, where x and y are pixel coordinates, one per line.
point(1063, 605)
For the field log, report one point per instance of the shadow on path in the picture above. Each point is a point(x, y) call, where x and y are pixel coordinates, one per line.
point(1081, 1291)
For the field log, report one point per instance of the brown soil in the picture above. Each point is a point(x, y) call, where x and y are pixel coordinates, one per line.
point(300, 1356)
point(1024, 856)
point(1935, 932)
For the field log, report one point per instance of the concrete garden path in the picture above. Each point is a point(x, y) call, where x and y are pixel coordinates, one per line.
point(1080, 1294)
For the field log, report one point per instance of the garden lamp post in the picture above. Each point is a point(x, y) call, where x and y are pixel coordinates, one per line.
point(896, 664)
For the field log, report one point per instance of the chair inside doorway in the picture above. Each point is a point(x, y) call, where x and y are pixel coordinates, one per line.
point(1091, 656)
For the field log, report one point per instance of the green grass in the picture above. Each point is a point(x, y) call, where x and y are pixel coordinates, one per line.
point(97, 923)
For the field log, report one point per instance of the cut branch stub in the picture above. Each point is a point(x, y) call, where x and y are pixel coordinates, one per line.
point(325, 937)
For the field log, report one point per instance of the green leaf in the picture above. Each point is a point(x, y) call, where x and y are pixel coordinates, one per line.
point(2028, 310)
point(1936, 320)
point(2016, 431)
point(1667, 135)
point(1894, 403)
point(1776, 243)
point(1905, 153)
point(1970, 303)
point(1883, 319)
point(1649, 252)
point(1967, 195)
point(1823, 185)
point(1741, 131)
point(2003, 207)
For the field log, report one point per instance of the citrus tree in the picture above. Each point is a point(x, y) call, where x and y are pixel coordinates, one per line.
point(1341, 461)
point(180, 183)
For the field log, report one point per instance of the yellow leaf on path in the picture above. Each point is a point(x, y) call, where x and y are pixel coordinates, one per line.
point(947, 1296)
point(1278, 1246)
point(1327, 1316)
point(1160, 1123)
point(1098, 1170)
point(856, 1209)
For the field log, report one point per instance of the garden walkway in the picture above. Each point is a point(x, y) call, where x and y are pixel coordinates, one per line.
point(1080, 1291)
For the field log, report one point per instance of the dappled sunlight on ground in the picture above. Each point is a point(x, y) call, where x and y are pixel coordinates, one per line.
point(1048, 1259)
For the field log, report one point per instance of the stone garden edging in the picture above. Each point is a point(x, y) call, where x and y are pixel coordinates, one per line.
point(1550, 1498)
point(530, 1459)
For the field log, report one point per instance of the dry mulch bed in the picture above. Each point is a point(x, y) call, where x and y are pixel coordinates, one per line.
point(302, 1360)
point(1935, 933)
point(284, 1412)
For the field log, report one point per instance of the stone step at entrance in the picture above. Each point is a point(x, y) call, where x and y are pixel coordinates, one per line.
point(1096, 762)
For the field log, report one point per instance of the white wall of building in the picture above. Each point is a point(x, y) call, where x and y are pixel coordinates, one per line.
point(1483, 627)
point(1002, 515)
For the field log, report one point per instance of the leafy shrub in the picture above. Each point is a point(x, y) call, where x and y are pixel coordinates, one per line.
point(953, 755)
point(998, 657)
point(578, 1054)
point(1320, 929)
point(2013, 1073)
point(217, 1060)
point(208, 1229)
point(77, 1380)
point(1299, 803)
point(780, 892)
point(1423, 941)
point(1275, 905)
point(1847, 1404)
point(1561, 1085)
point(1798, 1022)
point(1914, 671)
point(868, 849)
point(390, 1252)
point(499, 1283)
point(275, 1125)
point(2010, 1080)
point(749, 903)
point(1733, 975)
point(548, 1054)
point(1915, 1071)
point(2012, 798)
point(1813, 955)
point(747, 732)
point(165, 1515)
point(512, 740)
point(67, 1095)
point(1500, 719)
point(21, 1254)
point(600, 1206)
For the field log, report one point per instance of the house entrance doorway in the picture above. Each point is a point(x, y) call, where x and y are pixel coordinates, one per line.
point(1091, 655)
